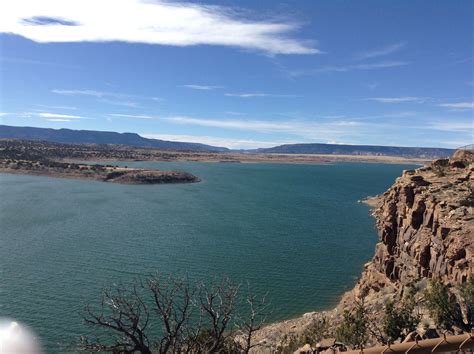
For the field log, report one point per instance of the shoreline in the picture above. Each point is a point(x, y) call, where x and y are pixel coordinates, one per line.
point(291, 159)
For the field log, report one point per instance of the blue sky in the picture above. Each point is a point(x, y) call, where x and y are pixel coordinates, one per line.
point(242, 74)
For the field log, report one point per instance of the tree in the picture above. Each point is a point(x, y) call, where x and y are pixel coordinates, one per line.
point(354, 329)
point(192, 318)
point(253, 319)
point(398, 322)
point(443, 307)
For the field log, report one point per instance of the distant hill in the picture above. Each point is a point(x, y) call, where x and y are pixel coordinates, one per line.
point(69, 136)
point(336, 149)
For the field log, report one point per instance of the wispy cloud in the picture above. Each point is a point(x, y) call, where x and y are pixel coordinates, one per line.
point(234, 113)
point(258, 94)
point(231, 143)
point(346, 68)
point(153, 22)
point(203, 87)
point(296, 128)
point(405, 99)
point(104, 94)
point(113, 98)
point(97, 94)
point(123, 103)
point(378, 52)
point(453, 126)
point(368, 129)
point(261, 126)
point(130, 116)
point(55, 115)
point(58, 120)
point(458, 105)
point(16, 60)
point(72, 108)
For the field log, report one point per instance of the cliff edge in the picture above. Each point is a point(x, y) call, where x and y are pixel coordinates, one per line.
point(426, 230)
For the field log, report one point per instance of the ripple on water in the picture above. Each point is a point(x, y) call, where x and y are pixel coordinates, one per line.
point(293, 230)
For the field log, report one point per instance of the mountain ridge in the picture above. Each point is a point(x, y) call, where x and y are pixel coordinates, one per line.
point(70, 136)
point(343, 149)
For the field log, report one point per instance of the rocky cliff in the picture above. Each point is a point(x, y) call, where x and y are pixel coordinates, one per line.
point(426, 230)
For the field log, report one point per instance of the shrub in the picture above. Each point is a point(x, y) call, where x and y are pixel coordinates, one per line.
point(439, 170)
point(354, 329)
point(398, 322)
point(315, 332)
point(443, 307)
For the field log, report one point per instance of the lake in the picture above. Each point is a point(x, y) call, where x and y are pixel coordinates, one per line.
point(296, 231)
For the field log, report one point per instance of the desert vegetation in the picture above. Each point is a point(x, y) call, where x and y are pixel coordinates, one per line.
point(172, 315)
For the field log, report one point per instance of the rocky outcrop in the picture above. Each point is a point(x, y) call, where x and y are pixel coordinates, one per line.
point(426, 230)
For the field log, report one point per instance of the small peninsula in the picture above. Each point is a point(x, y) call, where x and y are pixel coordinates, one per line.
point(38, 158)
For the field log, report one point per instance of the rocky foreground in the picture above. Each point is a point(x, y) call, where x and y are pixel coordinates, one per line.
point(426, 229)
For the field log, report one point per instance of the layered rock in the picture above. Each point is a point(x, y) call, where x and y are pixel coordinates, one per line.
point(426, 230)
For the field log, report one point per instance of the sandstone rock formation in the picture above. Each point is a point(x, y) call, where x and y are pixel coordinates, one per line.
point(426, 230)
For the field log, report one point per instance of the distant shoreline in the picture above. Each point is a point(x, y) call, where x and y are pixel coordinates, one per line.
point(172, 156)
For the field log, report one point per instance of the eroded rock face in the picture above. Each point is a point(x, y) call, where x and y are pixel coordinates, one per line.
point(426, 229)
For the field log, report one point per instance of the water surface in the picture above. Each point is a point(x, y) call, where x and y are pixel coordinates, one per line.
point(296, 231)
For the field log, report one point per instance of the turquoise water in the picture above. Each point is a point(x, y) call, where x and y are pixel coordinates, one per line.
point(296, 231)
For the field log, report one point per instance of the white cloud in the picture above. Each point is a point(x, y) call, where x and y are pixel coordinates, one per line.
point(58, 107)
point(305, 129)
point(131, 116)
point(346, 68)
point(58, 120)
point(397, 99)
point(123, 103)
point(260, 126)
point(257, 94)
point(153, 22)
point(54, 115)
point(203, 87)
point(458, 105)
point(380, 51)
point(98, 94)
point(230, 143)
point(233, 113)
point(453, 126)
point(354, 130)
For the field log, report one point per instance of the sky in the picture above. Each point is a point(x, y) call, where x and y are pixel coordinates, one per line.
point(243, 74)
